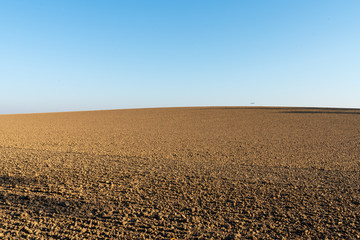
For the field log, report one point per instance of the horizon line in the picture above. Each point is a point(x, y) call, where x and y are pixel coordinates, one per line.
point(164, 107)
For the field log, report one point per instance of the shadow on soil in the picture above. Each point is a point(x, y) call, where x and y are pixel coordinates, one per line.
point(305, 110)
point(33, 197)
point(323, 112)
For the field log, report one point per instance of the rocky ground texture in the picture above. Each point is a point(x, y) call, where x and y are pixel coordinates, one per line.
point(181, 173)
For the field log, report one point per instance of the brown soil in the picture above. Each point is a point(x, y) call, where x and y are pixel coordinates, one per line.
point(181, 173)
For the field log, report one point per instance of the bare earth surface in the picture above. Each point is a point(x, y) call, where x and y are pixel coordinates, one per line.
point(181, 173)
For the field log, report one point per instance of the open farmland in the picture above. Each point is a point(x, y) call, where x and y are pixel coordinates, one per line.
point(182, 173)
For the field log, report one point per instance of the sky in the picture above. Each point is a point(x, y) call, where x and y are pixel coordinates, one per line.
point(74, 55)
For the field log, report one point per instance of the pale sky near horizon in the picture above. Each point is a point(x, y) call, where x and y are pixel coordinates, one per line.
point(73, 55)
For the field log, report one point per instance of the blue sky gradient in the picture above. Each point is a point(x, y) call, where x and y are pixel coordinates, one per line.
point(85, 55)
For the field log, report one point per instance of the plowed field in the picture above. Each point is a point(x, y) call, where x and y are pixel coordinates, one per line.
point(181, 173)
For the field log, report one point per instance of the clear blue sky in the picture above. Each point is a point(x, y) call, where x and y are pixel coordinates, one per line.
point(83, 55)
